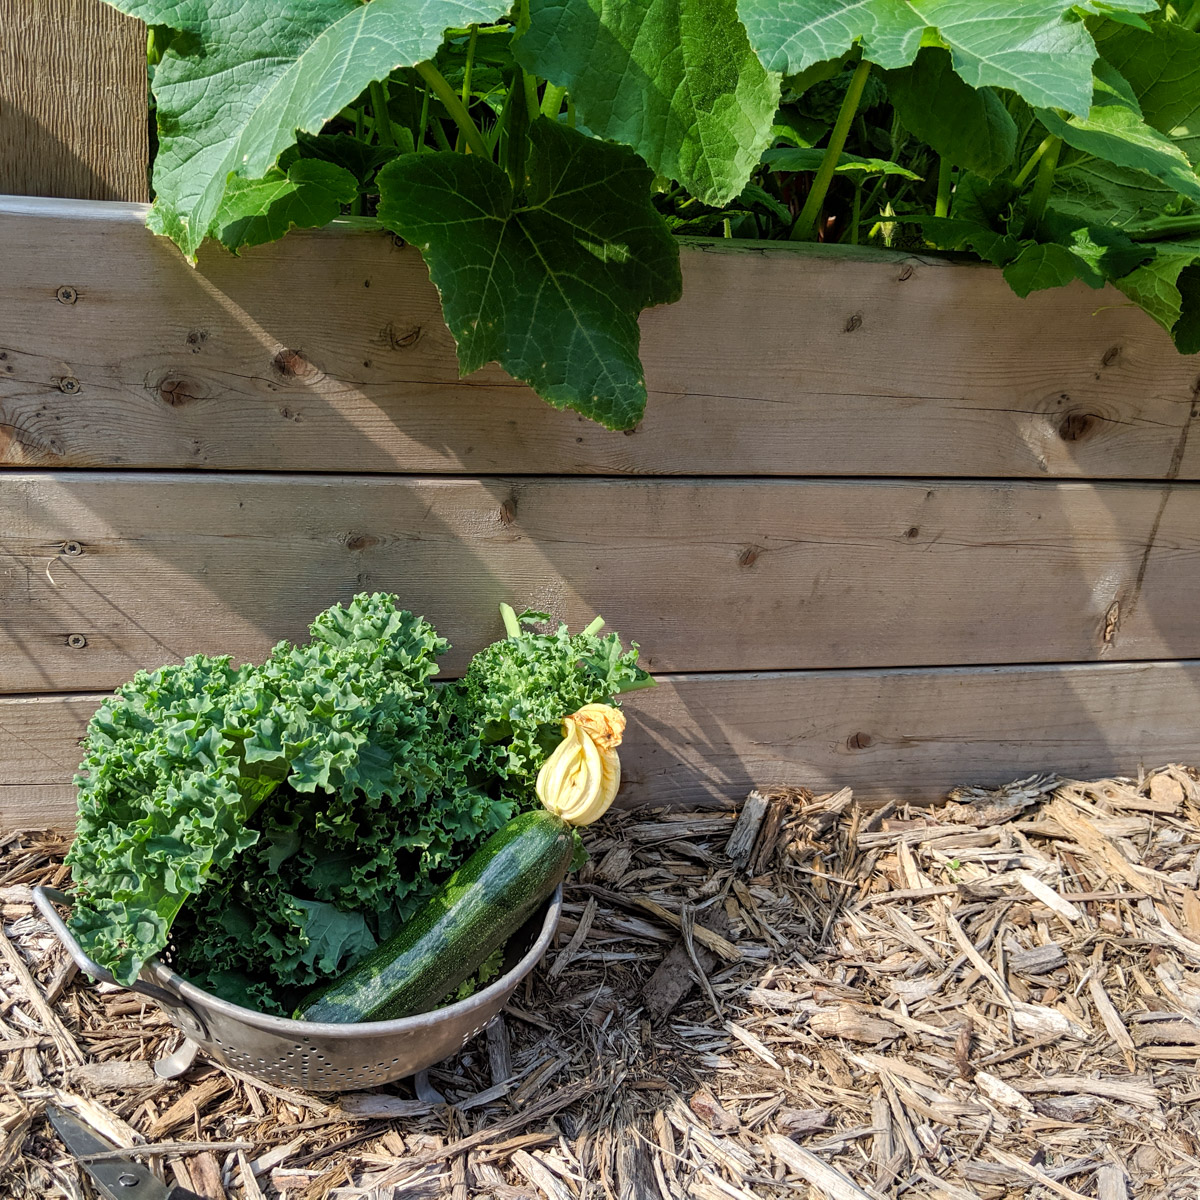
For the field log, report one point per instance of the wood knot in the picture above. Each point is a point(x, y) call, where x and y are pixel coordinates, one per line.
point(400, 339)
point(508, 511)
point(859, 741)
point(360, 541)
point(178, 392)
point(749, 556)
point(906, 272)
point(196, 340)
point(292, 364)
point(1110, 356)
point(852, 323)
point(1076, 426)
point(913, 531)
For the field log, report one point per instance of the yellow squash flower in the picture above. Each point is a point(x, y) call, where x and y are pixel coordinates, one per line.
point(580, 779)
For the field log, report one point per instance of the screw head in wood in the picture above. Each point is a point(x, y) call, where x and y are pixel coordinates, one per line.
point(74, 549)
point(68, 386)
point(66, 295)
point(77, 641)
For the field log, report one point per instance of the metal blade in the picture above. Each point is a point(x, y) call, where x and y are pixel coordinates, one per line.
point(119, 1180)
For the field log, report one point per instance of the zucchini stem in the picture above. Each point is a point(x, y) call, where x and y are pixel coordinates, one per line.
point(454, 106)
point(1041, 189)
point(805, 229)
point(596, 624)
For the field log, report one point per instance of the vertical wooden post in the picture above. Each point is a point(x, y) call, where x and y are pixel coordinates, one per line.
point(72, 101)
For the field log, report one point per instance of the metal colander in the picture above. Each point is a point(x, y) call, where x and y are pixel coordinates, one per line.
point(313, 1056)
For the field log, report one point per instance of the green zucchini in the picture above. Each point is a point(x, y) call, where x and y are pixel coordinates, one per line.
point(475, 911)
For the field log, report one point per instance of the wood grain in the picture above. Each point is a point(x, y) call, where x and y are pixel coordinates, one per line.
point(104, 573)
point(327, 352)
point(707, 739)
point(72, 101)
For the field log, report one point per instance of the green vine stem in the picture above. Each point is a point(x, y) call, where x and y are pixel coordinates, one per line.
point(1033, 160)
point(552, 99)
point(1041, 188)
point(1164, 227)
point(466, 87)
point(805, 228)
point(945, 185)
point(1192, 20)
point(454, 106)
point(379, 106)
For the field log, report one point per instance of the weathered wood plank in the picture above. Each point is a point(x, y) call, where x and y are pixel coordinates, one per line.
point(911, 734)
point(102, 573)
point(72, 101)
point(328, 352)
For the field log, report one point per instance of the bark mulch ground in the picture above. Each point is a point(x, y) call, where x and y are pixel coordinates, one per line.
point(999, 995)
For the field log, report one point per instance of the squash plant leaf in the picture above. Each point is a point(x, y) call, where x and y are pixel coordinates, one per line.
point(1168, 288)
point(970, 127)
point(675, 79)
point(548, 282)
point(1039, 48)
point(1163, 69)
point(1114, 131)
point(240, 78)
point(308, 195)
point(1041, 266)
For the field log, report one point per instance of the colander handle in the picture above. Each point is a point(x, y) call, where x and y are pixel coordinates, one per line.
point(46, 898)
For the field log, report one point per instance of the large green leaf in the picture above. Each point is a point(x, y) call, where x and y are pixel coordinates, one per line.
point(1038, 48)
point(1163, 67)
point(1101, 192)
point(310, 194)
point(675, 79)
point(969, 126)
point(1166, 289)
point(1115, 131)
point(244, 76)
point(1041, 266)
point(548, 283)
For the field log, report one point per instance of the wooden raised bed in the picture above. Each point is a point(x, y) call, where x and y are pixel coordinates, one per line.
point(884, 524)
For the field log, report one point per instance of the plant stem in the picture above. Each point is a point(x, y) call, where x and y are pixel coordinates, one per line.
point(570, 112)
point(1036, 157)
point(454, 106)
point(1164, 227)
point(423, 122)
point(1192, 20)
point(512, 627)
point(552, 99)
point(856, 214)
point(1041, 188)
point(945, 184)
point(466, 87)
point(806, 224)
point(594, 626)
point(379, 106)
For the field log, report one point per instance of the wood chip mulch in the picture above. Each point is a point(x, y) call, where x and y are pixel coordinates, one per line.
point(999, 996)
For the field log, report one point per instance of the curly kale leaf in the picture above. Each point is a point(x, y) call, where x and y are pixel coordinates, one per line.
point(162, 801)
point(516, 692)
point(177, 762)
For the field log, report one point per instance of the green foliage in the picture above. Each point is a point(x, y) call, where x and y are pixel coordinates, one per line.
point(514, 287)
point(515, 693)
point(675, 79)
point(273, 823)
point(508, 146)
